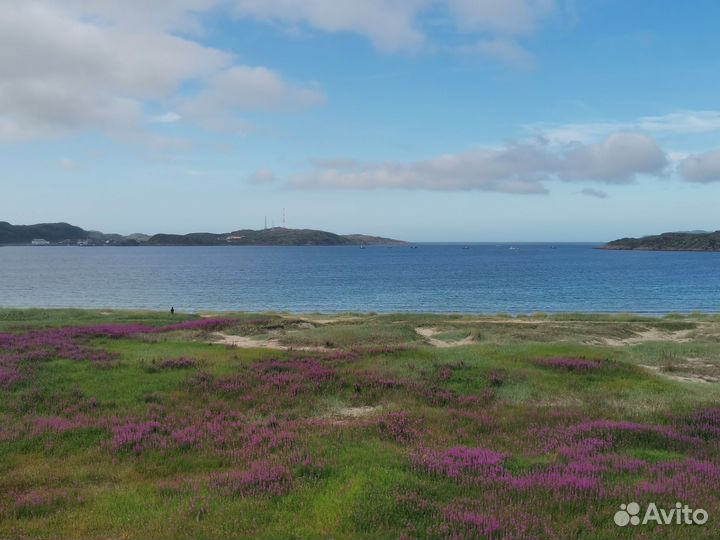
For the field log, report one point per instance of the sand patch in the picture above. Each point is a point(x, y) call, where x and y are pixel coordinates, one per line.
point(244, 342)
point(695, 370)
point(429, 332)
point(334, 320)
point(345, 416)
point(357, 412)
point(653, 334)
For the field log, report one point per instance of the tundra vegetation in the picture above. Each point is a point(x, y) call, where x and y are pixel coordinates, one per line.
point(146, 425)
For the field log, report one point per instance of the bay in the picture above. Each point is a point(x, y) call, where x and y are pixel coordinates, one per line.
point(470, 278)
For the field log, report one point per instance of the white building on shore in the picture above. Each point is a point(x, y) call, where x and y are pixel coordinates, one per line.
point(40, 242)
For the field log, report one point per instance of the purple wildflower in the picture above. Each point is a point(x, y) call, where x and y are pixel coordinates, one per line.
point(460, 461)
point(569, 364)
point(263, 478)
point(177, 363)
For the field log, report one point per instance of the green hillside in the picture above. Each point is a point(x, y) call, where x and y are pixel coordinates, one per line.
point(673, 241)
point(276, 236)
point(52, 232)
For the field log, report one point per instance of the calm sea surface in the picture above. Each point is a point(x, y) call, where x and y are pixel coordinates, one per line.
point(517, 278)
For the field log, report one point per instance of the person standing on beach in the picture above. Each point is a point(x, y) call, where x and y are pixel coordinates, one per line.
point(172, 310)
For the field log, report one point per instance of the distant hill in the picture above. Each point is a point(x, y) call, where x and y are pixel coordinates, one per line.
point(277, 236)
point(671, 241)
point(64, 233)
point(371, 240)
point(52, 232)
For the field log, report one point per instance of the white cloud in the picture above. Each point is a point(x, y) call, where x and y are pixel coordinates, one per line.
point(590, 192)
point(76, 65)
point(263, 176)
point(389, 24)
point(60, 74)
point(518, 168)
point(500, 23)
point(245, 88)
point(169, 117)
point(73, 65)
point(681, 122)
point(68, 164)
point(616, 160)
point(171, 15)
point(254, 88)
point(513, 170)
point(510, 17)
point(685, 121)
point(394, 25)
point(503, 50)
point(701, 168)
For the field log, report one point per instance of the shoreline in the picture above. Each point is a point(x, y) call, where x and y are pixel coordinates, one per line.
point(487, 315)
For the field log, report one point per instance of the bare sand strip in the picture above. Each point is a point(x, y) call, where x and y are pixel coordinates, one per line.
point(679, 336)
point(428, 334)
point(682, 376)
point(358, 412)
point(244, 342)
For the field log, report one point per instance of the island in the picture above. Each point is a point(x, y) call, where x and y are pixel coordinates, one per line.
point(670, 241)
point(44, 234)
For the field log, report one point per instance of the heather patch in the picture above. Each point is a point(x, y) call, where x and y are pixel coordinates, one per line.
point(579, 365)
point(262, 478)
point(177, 363)
point(379, 438)
point(38, 502)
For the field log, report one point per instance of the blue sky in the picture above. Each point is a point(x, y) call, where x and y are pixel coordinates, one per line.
point(458, 120)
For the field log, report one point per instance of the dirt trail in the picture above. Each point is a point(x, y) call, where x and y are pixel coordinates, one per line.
point(429, 333)
point(244, 342)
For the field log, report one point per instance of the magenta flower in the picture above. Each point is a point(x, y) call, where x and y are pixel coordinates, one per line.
point(569, 364)
point(262, 479)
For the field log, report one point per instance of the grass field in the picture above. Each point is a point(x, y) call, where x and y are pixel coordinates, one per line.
point(145, 425)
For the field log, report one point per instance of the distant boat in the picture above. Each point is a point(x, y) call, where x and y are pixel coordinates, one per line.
point(466, 247)
point(362, 246)
point(513, 248)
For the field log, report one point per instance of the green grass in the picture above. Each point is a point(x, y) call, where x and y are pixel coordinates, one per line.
point(352, 476)
point(357, 335)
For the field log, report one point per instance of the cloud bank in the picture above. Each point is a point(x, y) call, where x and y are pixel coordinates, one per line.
point(68, 66)
point(682, 122)
point(521, 168)
point(72, 66)
point(701, 168)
